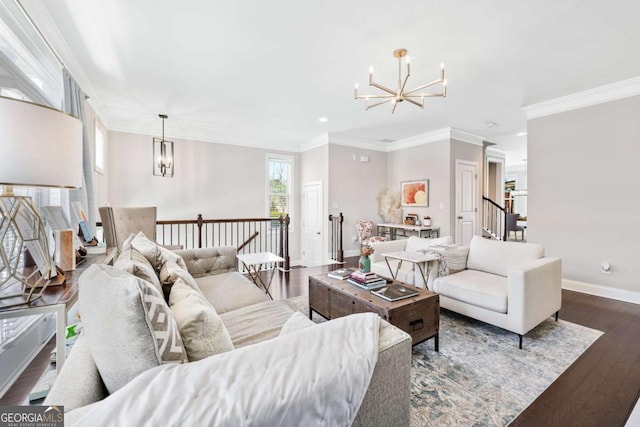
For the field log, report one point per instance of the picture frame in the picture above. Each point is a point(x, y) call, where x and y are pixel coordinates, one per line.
point(415, 193)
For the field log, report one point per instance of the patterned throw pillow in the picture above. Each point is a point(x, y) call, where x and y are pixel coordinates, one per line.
point(454, 257)
point(201, 329)
point(128, 325)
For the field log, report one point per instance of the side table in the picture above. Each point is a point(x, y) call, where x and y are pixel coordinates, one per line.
point(57, 299)
point(421, 259)
point(253, 264)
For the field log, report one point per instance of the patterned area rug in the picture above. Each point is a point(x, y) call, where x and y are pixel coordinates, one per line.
point(480, 377)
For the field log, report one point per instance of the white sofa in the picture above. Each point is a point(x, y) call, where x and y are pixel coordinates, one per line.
point(507, 284)
point(407, 273)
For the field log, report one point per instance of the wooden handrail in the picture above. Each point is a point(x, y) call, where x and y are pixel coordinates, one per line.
point(247, 234)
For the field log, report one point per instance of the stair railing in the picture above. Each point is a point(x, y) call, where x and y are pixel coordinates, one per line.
point(494, 219)
point(336, 248)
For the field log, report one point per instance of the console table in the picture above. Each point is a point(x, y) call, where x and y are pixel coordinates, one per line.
point(56, 299)
point(393, 230)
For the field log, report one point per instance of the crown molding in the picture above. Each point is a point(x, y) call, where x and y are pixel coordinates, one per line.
point(316, 142)
point(606, 93)
point(365, 145)
point(421, 139)
point(467, 137)
point(251, 143)
point(444, 134)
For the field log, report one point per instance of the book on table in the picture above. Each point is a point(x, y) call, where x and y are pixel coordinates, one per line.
point(359, 275)
point(368, 285)
point(395, 292)
point(341, 273)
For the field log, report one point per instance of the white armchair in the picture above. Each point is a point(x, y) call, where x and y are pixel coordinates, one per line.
point(507, 284)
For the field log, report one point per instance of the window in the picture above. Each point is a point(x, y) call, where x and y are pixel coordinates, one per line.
point(99, 148)
point(279, 185)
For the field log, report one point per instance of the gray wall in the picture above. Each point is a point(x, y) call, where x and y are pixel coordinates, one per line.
point(429, 161)
point(584, 191)
point(354, 187)
point(216, 180)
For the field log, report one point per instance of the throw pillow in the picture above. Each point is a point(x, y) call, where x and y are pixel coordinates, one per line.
point(296, 322)
point(171, 272)
point(155, 253)
point(456, 258)
point(201, 329)
point(128, 325)
point(132, 261)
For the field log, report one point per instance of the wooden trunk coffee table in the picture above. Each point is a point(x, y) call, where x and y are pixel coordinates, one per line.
point(419, 316)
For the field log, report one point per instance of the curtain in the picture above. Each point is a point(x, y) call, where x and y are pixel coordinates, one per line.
point(73, 104)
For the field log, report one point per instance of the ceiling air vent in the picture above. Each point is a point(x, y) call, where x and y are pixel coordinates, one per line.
point(387, 140)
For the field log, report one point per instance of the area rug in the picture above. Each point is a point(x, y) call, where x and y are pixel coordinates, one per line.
point(480, 377)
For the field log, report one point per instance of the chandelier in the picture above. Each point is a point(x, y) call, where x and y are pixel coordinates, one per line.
point(413, 96)
point(162, 154)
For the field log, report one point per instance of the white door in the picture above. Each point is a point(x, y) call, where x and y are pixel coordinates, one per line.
point(312, 217)
point(466, 201)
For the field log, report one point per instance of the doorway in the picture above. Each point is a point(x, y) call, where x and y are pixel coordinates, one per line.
point(466, 197)
point(312, 224)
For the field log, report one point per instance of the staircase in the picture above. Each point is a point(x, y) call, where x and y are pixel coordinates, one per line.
point(494, 220)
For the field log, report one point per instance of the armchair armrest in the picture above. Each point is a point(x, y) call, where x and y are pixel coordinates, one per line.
point(209, 261)
point(535, 292)
point(380, 248)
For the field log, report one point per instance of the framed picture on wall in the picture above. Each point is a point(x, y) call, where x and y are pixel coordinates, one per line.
point(415, 193)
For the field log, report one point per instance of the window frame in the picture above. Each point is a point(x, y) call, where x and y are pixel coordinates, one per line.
point(98, 127)
point(282, 158)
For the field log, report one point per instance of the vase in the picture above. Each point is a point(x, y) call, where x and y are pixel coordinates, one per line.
point(364, 264)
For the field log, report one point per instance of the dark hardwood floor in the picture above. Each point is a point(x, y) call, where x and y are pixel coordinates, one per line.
point(599, 389)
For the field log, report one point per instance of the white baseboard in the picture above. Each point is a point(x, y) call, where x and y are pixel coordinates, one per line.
point(601, 291)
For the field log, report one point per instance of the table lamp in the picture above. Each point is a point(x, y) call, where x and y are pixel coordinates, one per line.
point(39, 147)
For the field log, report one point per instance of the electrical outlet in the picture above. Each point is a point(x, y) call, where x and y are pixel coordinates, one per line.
point(355, 238)
point(606, 268)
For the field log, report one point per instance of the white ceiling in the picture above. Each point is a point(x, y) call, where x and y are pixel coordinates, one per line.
point(262, 72)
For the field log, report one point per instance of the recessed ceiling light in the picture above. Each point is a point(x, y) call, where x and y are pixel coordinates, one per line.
point(521, 134)
point(491, 124)
point(323, 119)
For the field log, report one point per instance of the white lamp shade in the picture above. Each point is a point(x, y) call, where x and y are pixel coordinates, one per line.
point(39, 146)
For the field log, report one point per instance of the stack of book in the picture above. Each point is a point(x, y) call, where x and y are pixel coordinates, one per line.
point(366, 281)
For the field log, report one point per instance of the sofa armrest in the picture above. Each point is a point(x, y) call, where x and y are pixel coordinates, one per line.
point(209, 261)
point(79, 383)
point(380, 248)
point(535, 292)
point(388, 398)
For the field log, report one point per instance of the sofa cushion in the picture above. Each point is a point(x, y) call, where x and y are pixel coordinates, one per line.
point(128, 325)
point(257, 322)
point(156, 254)
point(201, 329)
point(132, 261)
point(230, 291)
point(415, 244)
point(497, 257)
point(476, 288)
